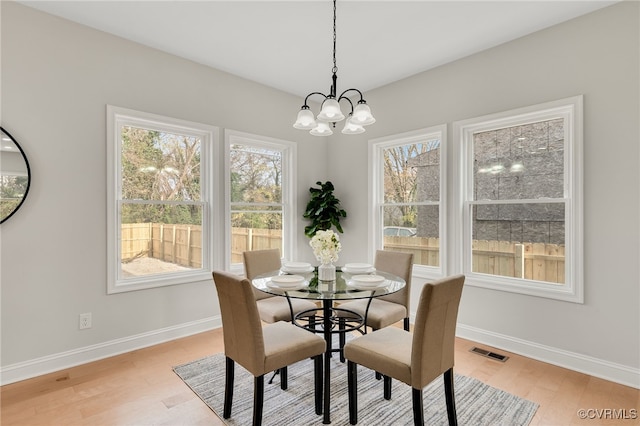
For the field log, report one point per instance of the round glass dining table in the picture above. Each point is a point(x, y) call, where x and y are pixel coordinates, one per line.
point(329, 319)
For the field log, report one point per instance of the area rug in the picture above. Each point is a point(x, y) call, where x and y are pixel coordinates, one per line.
point(477, 404)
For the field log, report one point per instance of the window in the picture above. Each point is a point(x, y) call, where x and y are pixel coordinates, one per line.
point(159, 205)
point(407, 180)
point(260, 179)
point(521, 183)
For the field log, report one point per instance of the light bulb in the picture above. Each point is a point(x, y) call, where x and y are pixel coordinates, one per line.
point(322, 129)
point(330, 112)
point(362, 114)
point(351, 128)
point(305, 120)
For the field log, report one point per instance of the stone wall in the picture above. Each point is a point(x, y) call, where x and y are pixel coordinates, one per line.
point(520, 162)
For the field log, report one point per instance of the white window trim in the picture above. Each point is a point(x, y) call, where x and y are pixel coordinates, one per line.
point(289, 189)
point(376, 192)
point(572, 110)
point(116, 117)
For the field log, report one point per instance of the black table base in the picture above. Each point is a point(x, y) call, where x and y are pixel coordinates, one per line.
point(330, 320)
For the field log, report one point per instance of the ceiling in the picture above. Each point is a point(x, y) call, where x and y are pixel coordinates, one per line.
point(288, 44)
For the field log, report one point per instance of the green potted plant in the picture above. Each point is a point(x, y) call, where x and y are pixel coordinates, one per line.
point(323, 210)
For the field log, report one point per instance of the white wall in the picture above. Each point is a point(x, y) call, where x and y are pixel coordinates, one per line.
point(596, 55)
point(57, 78)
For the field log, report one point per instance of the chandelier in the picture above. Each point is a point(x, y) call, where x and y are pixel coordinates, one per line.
point(330, 112)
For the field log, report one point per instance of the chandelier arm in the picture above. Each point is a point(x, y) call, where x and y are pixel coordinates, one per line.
point(311, 94)
point(342, 95)
point(348, 100)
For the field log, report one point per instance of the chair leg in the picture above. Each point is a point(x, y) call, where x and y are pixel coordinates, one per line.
point(258, 399)
point(317, 382)
point(378, 375)
point(352, 385)
point(228, 387)
point(284, 382)
point(449, 394)
point(406, 324)
point(418, 409)
point(387, 387)
point(341, 336)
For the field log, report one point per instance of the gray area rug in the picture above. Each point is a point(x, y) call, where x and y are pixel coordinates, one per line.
point(477, 404)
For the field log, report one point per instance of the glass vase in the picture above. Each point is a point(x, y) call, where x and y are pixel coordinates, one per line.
point(327, 272)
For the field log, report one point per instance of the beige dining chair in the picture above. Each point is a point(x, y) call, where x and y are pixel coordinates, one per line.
point(261, 349)
point(272, 308)
point(415, 358)
point(389, 309)
point(384, 310)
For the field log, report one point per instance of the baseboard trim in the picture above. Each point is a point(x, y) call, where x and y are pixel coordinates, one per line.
point(56, 362)
point(613, 372)
point(617, 373)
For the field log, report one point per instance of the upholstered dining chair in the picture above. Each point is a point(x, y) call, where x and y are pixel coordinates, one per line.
point(415, 358)
point(260, 349)
point(385, 310)
point(389, 309)
point(271, 308)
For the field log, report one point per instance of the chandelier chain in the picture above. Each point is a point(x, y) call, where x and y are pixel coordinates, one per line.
point(335, 66)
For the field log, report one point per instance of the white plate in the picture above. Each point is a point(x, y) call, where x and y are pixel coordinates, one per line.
point(367, 287)
point(297, 267)
point(273, 285)
point(359, 268)
point(286, 281)
point(297, 270)
point(368, 280)
point(358, 271)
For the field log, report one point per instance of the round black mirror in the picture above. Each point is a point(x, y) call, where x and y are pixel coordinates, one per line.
point(15, 175)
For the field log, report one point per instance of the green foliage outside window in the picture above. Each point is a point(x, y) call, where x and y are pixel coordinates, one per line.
point(159, 170)
point(256, 187)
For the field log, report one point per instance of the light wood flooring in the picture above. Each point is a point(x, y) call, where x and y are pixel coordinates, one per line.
point(140, 388)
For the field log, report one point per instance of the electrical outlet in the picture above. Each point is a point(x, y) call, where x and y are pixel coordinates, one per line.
point(85, 321)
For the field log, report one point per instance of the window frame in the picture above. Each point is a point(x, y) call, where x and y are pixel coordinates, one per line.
point(289, 189)
point(376, 193)
point(118, 117)
point(571, 110)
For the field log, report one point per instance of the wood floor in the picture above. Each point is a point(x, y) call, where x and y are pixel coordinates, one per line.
point(140, 388)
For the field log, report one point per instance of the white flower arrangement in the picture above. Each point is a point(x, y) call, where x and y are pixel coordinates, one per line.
point(326, 246)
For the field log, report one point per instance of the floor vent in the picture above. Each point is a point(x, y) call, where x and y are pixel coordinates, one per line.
point(488, 354)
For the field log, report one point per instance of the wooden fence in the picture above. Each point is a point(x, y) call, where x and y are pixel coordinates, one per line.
point(179, 244)
point(247, 239)
point(532, 261)
point(426, 251)
point(182, 245)
point(135, 241)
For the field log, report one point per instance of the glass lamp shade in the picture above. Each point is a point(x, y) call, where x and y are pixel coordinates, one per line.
point(322, 129)
point(351, 128)
point(305, 120)
point(330, 111)
point(362, 115)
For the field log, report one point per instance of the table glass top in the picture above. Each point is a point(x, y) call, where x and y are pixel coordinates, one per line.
point(344, 287)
